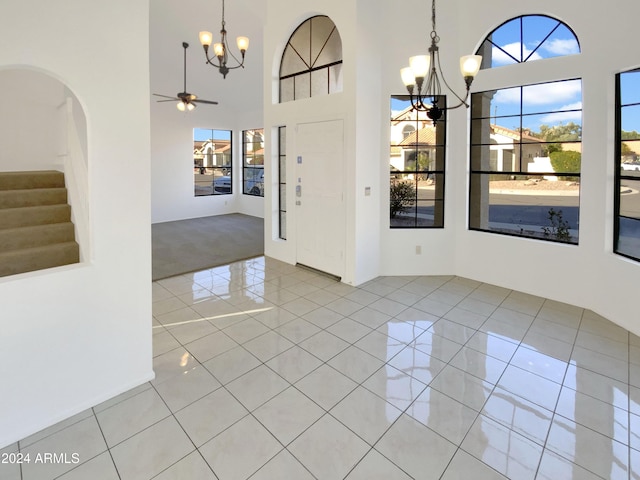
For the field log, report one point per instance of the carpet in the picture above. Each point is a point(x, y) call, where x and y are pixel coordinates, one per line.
point(185, 246)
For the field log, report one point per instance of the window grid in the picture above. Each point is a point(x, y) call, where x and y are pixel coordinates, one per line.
point(626, 241)
point(253, 162)
point(417, 161)
point(282, 183)
point(495, 210)
point(311, 63)
point(504, 46)
point(212, 161)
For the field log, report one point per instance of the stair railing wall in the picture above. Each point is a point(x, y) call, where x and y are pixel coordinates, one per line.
point(76, 178)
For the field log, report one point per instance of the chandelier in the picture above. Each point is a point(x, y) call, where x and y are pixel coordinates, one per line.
point(221, 50)
point(423, 74)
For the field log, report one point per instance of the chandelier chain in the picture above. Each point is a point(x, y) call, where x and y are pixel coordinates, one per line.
point(434, 35)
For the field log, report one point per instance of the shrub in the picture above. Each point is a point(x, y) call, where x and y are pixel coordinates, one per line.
point(402, 196)
point(559, 228)
point(565, 162)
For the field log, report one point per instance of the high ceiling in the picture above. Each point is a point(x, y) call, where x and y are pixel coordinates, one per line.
point(175, 21)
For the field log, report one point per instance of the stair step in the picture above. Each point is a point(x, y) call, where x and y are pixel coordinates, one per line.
point(40, 215)
point(37, 258)
point(35, 236)
point(33, 179)
point(32, 197)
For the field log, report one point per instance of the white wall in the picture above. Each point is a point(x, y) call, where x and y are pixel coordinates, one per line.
point(172, 194)
point(588, 275)
point(358, 26)
point(29, 119)
point(398, 251)
point(77, 335)
point(371, 76)
point(239, 97)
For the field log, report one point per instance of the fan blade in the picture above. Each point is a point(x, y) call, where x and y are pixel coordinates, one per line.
point(170, 100)
point(165, 96)
point(210, 102)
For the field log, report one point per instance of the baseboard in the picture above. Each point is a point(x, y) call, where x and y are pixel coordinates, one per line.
point(12, 437)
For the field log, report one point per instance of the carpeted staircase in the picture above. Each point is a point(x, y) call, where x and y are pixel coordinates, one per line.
point(36, 231)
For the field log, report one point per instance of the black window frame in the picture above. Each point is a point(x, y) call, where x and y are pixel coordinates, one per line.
point(488, 41)
point(214, 171)
point(619, 176)
point(310, 67)
point(282, 183)
point(420, 123)
point(253, 186)
point(550, 232)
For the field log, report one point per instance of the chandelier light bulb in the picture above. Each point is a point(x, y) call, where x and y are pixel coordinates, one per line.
point(470, 65)
point(243, 44)
point(419, 65)
point(408, 78)
point(205, 38)
point(218, 49)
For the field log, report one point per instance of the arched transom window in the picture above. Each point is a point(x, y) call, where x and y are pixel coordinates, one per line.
point(527, 38)
point(312, 61)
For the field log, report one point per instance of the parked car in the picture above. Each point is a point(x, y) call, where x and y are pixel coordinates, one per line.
point(222, 185)
point(255, 185)
point(631, 166)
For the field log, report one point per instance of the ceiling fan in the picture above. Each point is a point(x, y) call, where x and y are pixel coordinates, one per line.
point(186, 101)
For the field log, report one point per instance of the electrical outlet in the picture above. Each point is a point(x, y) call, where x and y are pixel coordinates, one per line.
point(418, 250)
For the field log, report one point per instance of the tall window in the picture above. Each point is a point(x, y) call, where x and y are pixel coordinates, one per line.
point(526, 141)
point(627, 191)
point(312, 61)
point(282, 182)
point(416, 164)
point(253, 162)
point(212, 162)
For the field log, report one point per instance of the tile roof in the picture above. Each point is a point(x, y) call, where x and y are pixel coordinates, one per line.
point(424, 136)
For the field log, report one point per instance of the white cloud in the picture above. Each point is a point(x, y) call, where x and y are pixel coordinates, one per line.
point(549, 93)
point(561, 47)
point(507, 95)
point(558, 93)
point(564, 117)
point(501, 58)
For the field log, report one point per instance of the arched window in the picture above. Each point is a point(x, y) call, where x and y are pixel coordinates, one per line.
point(312, 61)
point(408, 130)
point(527, 38)
point(526, 140)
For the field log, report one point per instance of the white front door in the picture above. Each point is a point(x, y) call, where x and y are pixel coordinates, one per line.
point(320, 210)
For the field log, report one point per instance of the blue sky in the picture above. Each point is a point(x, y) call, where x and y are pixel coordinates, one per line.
point(535, 38)
point(201, 134)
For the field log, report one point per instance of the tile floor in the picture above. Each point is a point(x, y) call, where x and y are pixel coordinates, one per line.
point(268, 371)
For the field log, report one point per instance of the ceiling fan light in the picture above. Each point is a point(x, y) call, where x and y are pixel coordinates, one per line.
point(243, 43)
point(205, 38)
point(191, 106)
point(181, 106)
